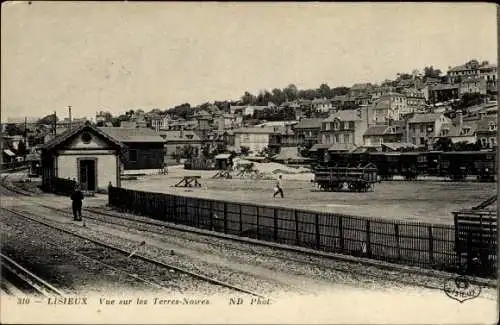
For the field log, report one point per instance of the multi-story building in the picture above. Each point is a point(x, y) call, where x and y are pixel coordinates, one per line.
point(392, 106)
point(415, 100)
point(459, 130)
point(378, 134)
point(161, 123)
point(360, 90)
point(344, 130)
point(473, 85)
point(254, 138)
point(443, 92)
point(422, 129)
point(321, 105)
point(487, 131)
point(489, 73)
point(307, 131)
point(458, 73)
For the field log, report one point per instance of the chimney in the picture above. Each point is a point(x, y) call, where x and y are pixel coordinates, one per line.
point(460, 118)
point(70, 121)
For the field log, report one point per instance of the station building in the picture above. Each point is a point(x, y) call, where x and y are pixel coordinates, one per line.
point(85, 154)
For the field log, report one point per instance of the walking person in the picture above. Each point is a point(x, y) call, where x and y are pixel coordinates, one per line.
point(279, 187)
point(77, 198)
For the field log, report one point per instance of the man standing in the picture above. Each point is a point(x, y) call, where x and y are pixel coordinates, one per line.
point(77, 198)
point(279, 187)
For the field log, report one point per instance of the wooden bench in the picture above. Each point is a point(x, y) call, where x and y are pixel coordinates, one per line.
point(189, 181)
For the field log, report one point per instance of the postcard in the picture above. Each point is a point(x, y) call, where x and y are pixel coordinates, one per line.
point(249, 163)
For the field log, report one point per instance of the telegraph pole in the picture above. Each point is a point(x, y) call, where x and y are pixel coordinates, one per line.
point(55, 123)
point(25, 136)
point(70, 121)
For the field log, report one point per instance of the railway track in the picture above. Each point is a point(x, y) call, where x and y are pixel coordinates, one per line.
point(136, 255)
point(28, 279)
point(355, 270)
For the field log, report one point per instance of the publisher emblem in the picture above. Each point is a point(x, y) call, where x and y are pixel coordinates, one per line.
point(461, 289)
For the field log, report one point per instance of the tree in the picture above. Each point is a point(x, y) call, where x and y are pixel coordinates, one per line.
point(443, 144)
point(291, 92)
point(48, 120)
point(248, 99)
point(431, 72)
point(324, 91)
point(244, 150)
point(21, 148)
point(13, 129)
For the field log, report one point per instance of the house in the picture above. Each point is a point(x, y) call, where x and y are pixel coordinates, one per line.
point(473, 85)
point(85, 154)
point(489, 73)
point(415, 100)
point(162, 122)
point(321, 105)
point(360, 89)
point(459, 130)
point(390, 106)
point(423, 129)
point(175, 141)
point(469, 69)
point(143, 147)
point(443, 92)
point(344, 130)
point(307, 131)
point(254, 138)
point(378, 134)
point(282, 137)
point(486, 131)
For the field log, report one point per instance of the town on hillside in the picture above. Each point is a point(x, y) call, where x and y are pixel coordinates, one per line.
point(418, 111)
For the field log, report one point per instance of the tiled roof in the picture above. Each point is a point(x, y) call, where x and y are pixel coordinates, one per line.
point(132, 135)
point(398, 145)
point(289, 153)
point(376, 130)
point(483, 125)
point(187, 135)
point(468, 129)
point(309, 123)
point(255, 130)
point(319, 146)
point(71, 132)
point(425, 118)
point(345, 115)
point(342, 147)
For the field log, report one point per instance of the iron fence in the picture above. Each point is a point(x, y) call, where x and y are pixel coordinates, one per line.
point(417, 244)
point(61, 186)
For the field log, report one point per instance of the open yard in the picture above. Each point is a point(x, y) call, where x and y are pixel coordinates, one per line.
point(427, 201)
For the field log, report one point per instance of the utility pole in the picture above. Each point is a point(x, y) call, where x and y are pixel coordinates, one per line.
point(55, 123)
point(25, 136)
point(70, 121)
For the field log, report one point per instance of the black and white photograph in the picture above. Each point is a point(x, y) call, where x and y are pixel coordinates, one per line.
point(249, 163)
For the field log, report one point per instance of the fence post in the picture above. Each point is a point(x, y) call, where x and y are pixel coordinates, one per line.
point(296, 218)
point(341, 234)
point(175, 208)
point(431, 245)
point(241, 221)
point(225, 217)
point(258, 232)
point(275, 210)
point(396, 234)
point(368, 240)
point(316, 224)
point(211, 216)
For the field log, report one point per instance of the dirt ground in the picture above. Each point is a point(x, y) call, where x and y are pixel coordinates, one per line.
point(425, 201)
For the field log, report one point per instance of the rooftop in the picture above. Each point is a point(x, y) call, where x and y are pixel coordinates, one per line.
point(309, 123)
point(132, 135)
point(425, 118)
point(345, 115)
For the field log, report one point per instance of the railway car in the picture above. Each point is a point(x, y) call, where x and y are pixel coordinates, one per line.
point(355, 179)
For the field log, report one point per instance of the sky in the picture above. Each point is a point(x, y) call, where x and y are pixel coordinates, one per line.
point(117, 56)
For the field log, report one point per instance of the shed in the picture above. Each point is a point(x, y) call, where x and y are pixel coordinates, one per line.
point(85, 154)
point(223, 161)
point(143, 148)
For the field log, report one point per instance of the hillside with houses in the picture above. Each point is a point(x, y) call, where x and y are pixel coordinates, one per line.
point(425, 110)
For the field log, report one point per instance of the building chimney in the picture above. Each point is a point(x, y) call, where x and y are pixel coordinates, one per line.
point(70, 121)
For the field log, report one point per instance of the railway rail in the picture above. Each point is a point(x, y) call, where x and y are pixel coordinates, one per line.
point(137, 255)
point(357, 269)
point(28, 279)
